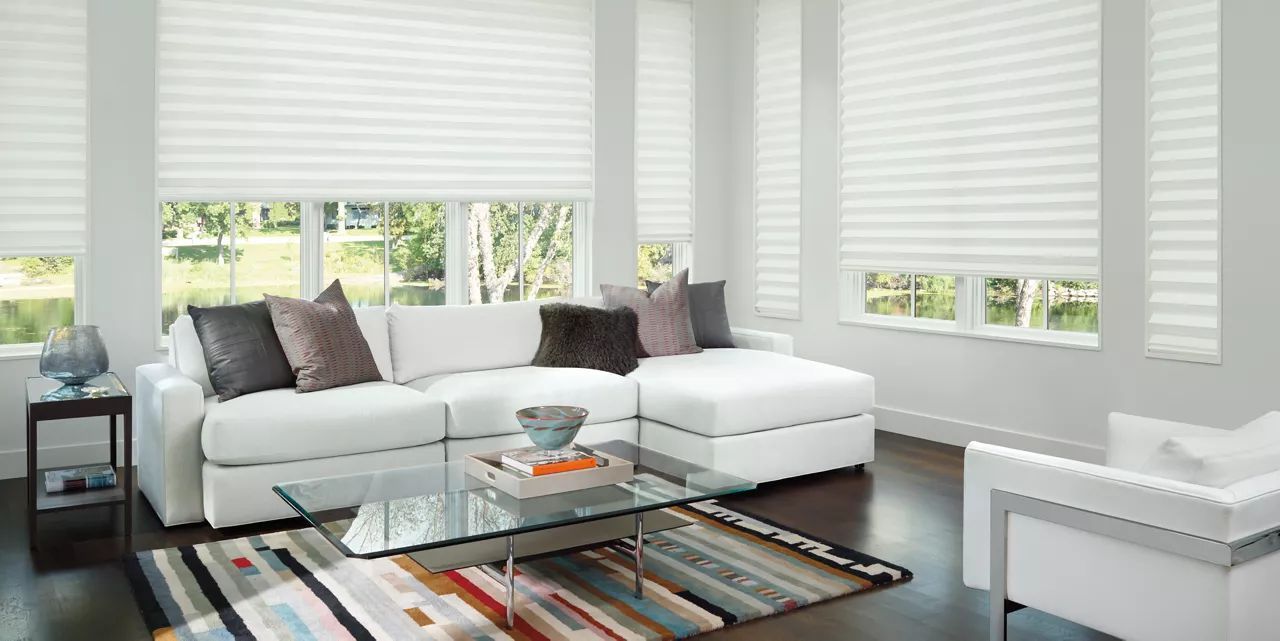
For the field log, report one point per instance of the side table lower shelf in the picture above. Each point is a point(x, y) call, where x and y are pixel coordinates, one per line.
point(72, 499)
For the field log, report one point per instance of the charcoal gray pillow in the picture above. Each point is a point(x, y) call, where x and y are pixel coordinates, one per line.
point(590, 337)
point(241, 349)
point(707, 312)
point(322, 340)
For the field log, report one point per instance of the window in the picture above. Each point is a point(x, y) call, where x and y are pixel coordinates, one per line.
point(1072, 305)
point(36, 293)
point(1002, 308)
point(43, 161)
point(1184, 229)
point(969, 168)
point(355, 251)
point(664, 126)
point(777, 158)
point(417, 253)
point(382, 252)
point(654, 264)
point(658, 262)
point(911, 296)
point(519, 251)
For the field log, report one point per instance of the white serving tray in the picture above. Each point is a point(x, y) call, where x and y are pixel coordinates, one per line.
point(487, 466)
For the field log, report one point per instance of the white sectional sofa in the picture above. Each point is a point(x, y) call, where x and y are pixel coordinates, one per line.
point(454, 377)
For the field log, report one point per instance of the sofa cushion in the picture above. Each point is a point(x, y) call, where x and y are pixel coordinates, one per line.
point(322, 340)
point(484, 403)
point(282, 425)
point(438, 339)
point(735, 391)
point(373, 324)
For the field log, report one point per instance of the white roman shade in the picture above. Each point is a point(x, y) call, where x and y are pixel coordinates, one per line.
point(777, 158)
point(1183, 247)
point(43, 127)
point(376, 100)
point(664, 121)
point(969, 137)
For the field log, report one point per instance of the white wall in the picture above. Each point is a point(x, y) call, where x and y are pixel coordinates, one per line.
point(124, 257)
point(1053, 399)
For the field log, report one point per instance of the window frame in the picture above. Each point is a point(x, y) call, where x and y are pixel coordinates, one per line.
point(79, 316)
point(970, 316)
point(312, 246)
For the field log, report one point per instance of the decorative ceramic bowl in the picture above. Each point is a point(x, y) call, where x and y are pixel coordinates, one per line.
point(552, 427)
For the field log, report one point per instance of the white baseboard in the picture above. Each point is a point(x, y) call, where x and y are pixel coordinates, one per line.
point(952, 432)
point(13, 463)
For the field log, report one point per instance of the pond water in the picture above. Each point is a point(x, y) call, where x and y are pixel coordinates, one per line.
point(359, 294)
point(28, 320)
point(1067, 316)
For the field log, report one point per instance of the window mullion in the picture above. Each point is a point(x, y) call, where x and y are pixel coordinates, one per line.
point(387, 253)
point(911, 308)
point(231, 244)
point(519, 252)
point(455, 254)
point(1044, 291)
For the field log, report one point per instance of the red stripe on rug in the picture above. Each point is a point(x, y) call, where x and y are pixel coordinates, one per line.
point(600, 627)
point(480, 595)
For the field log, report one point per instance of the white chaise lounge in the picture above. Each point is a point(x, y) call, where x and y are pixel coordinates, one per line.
point(454, 377)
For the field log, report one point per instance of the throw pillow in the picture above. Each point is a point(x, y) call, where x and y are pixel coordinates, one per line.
point(241, 349)
point(322, 340)
point(664, 329)
point(589, 337)
point(1219, 461)
point(707, 312)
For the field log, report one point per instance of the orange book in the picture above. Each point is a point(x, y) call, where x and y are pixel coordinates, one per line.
point(537, 462)
point(566, 466)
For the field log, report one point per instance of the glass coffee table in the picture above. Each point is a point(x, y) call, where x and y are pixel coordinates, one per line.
point(446, 519)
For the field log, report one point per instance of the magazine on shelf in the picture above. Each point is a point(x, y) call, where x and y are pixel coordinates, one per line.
point(538, 462)
point(90, 477)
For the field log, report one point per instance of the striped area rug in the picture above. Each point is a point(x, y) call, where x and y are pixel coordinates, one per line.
point(723, 569)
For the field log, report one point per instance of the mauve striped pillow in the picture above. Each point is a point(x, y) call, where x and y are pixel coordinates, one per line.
point(665, 328)
point(322, 340)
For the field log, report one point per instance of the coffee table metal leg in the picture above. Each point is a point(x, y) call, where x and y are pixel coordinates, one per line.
point(511, 582)
point(639, 555)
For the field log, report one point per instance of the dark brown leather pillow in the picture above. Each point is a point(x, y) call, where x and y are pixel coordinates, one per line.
point(241, 349)
point(589, 337)
point(322, 340)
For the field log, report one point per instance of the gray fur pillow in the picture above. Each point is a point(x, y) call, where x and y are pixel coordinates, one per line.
point(589, 337)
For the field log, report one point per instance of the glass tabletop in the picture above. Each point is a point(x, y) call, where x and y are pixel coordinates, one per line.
point(47, 390)
point(410, 509)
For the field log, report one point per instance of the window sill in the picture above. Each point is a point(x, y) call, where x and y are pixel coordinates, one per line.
point(21, 351)
point(1071, 340)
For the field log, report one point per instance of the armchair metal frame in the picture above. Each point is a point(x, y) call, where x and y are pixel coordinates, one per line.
point(1005, 503)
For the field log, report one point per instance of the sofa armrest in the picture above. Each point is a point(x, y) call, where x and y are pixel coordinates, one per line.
point(1215, 514)
point(765, 341)
point(168, 410)
point(1131, 440)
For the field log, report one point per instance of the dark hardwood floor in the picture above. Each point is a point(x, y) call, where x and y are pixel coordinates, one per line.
point(905, 508)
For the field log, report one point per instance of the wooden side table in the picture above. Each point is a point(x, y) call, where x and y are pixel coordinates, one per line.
point(49, 400)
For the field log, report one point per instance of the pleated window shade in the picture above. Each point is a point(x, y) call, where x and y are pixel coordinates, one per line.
point(375, 100)
point(1183, 206)
point(43, 127)
point(777, 158)
point(664, 121)
point(969, 137)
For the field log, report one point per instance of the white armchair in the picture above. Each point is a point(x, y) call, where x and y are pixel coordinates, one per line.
point(1125, 553)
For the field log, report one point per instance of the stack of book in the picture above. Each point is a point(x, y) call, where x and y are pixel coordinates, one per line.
point(79, 478)
point(538, 462)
